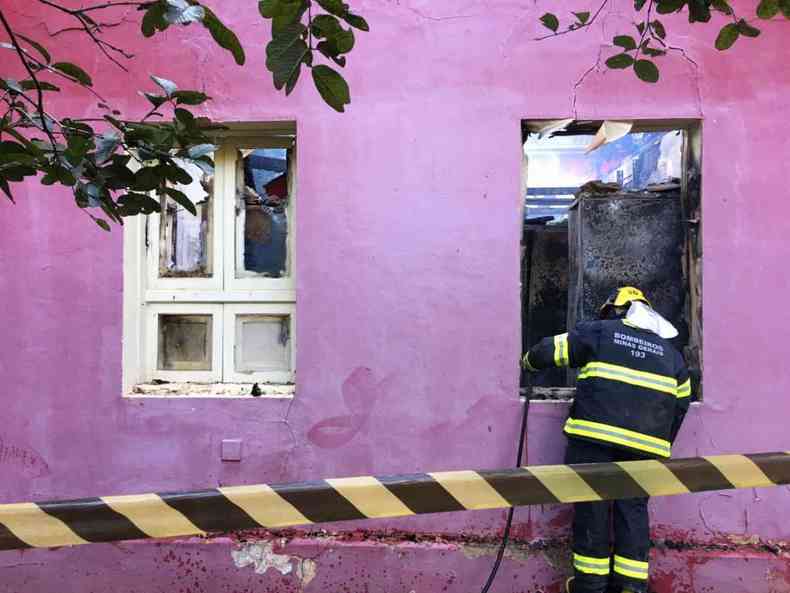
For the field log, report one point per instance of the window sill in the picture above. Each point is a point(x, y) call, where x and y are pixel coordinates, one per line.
point(209, 391)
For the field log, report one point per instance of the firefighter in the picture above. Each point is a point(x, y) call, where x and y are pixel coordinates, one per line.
point(632, 393)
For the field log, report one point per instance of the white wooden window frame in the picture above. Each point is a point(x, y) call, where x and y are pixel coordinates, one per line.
point(232, 348)
point(223, 295)
point(152, 313)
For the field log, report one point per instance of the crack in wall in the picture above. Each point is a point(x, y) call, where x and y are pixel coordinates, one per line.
point(596, 66)
point(450, 17)
point(581, 80)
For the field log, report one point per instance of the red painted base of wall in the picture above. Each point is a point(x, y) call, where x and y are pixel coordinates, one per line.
point(325, 564)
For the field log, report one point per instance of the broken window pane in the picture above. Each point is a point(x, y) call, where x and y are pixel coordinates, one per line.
point(184, 343)
point(263, 343)
point(597, 179)
point(559, 165)
point(185, 240)
point(262, 187)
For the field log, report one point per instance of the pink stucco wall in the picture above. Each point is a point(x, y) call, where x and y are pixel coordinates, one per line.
point(408, 301)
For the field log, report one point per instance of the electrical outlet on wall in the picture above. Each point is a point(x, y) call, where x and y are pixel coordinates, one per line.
point(231, 450)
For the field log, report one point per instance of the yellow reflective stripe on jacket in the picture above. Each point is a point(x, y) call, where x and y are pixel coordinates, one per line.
point(561, 350)
point(630, 568)
point(685, 389)
point(619, 436)
point(590, 565)
point(613, 372)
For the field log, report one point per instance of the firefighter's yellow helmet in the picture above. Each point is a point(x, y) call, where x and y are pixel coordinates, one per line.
point(623, 296)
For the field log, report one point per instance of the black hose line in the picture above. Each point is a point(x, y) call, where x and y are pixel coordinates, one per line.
point(523, 434)
point(508, 523)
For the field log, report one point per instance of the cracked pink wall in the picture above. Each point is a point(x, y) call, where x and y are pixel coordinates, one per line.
point(408, 300)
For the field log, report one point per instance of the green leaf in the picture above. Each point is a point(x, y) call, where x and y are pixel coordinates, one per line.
point(168, 86)
point(73, 71)
point(699, 11)
point(747, 30)
point(550, 21)
point(269, 8)
point(156, 100)
point(620, 61)
point(175, 174)
point(639, 4)
point(154, 20)
point(136, 203)
point(283, 12)
point(582, 17)
point(117, 176)
point(338, 40)
point(768, 9)
point(105, 226)
point(641, 28)
point(78, 147)
point(722, 6)
point(285, 54)
point(325, 25)
point(147, 179)
point(29, 85)
point(784, 6)
point(658, 29)
point(646, 70)
point(224, 37)
point(190, 97)
point(727, 36)
point(332, 87)
point(185, 117)
point(652, 52)
point(181, 199)
point(6, 190)
point(37, 46)
point(330, 53)
point(668, 6)
point(356, 21)
point(625, 41)
point(335, 7)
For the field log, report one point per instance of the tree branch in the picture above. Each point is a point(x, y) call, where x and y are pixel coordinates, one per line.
point(39, 91)
point(573, 29)
point(89, 26)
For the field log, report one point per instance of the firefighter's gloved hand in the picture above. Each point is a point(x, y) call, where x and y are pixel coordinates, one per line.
point(526, 365)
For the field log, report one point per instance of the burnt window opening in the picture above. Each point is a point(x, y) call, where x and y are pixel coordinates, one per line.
point(609, 204)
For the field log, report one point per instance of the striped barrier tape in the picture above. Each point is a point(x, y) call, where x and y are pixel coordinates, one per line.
point(116, 518)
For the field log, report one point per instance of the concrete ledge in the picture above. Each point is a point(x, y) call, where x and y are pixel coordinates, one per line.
point(357, 562)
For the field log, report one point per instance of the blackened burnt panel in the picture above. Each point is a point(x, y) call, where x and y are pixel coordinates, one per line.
point(547, 303)
point(628, 239)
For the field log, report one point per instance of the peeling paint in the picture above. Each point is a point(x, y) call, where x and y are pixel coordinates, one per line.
point(306, 571)
point(261, 556)
point(518, 553)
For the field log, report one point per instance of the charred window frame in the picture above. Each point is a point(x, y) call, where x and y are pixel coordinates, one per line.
point(547, 283)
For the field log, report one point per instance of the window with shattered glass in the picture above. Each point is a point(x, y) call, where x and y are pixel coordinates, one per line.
point(262, 201)
point(210, 297)
point(184, 238)
point(627, 166)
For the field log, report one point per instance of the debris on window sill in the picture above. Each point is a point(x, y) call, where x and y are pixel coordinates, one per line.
point(212, 390)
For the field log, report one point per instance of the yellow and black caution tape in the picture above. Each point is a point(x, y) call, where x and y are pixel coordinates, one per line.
point(116, 518)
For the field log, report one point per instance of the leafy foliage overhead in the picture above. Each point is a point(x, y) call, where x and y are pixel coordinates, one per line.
point(639, 49)
point(117, 167)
